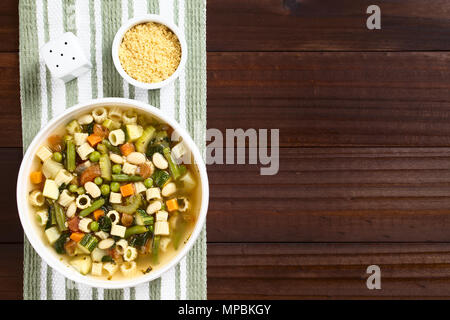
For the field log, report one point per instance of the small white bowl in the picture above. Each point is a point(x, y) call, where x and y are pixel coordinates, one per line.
point(27, 214)
point(144, 19)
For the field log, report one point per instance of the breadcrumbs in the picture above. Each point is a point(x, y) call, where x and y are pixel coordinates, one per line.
point(150, 52)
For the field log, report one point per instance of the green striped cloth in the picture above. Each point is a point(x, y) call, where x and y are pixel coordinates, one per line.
point(95, 22)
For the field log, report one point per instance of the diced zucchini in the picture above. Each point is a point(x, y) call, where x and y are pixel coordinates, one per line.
point(89, 242)
point(82, 264)
point(51, 190)
point(143, 219)
point(111, 124)
point(134, 131)
point(52, 234)
point(73, 127)
point(144, 140)
point(105, 167)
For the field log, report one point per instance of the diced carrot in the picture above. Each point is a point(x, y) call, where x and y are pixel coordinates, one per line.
point(36, 177)
point(172, 205)
point(94, 139)
point(127, 190)
point(127, 148)
point(77, 236)
point(98, 213)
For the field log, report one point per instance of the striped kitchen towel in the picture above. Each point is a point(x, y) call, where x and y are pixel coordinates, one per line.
point(95, 22)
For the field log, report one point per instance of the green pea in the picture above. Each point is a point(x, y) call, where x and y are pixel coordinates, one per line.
point(116, 169)
point(115, 186)
point(94, 156)
point(148, 182)
point(81, 190)
point(57, 156)
point(104, 189)
point(73, 188)
point(94, 226)
point(98, 181)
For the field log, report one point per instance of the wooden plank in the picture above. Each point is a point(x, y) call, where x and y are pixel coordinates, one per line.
point(327, 99)
point(9, 28)
point(300, 271)
point(334, 195)
point(333, 99)
point(11, 271)
point(10, 114)
point(327, 271)
point(319, 195)
point(292, 25)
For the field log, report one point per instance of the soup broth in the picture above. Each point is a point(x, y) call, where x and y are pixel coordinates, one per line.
point(114, 194)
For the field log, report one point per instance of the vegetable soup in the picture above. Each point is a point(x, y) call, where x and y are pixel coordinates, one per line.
point(114, 193)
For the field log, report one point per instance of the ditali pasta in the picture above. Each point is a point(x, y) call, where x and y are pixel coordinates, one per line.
point(111, 196)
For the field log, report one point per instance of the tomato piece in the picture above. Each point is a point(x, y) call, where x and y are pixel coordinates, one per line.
point(144, 170)
point(55, 143)
point(100, 131)
point(73, 224)
point(90, 174)
point(70, 247)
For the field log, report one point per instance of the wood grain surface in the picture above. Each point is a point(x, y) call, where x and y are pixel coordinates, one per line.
point(364, 149)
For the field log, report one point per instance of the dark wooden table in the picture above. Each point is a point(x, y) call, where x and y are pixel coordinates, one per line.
point(364, 119)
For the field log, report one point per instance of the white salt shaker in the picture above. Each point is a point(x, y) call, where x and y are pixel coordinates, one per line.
point(65, 57)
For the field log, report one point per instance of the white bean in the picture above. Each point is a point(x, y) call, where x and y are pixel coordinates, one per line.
point(169, 189)
point(159, 161)
point(92, 189)
point(153, 207)
point(116, 158)
point(136, 158)
point(106, 244)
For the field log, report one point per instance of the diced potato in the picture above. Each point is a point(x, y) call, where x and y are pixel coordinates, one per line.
point(97, 269)
point(52, 234)
point(115, 197)
point(51, 190)
point(82, 264)
point(117, 230)
point(44, 153)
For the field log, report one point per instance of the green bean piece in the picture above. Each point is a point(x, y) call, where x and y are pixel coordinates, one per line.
point(102, 148)
point(126, 178)
point(174, 168)
point(70, 155)
point(155, 249)
point(115, 186)
point(105, 167)
point(111, 148)
point(57, 156)
point(135, 230)
point(60, 217)
point(94, 206)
